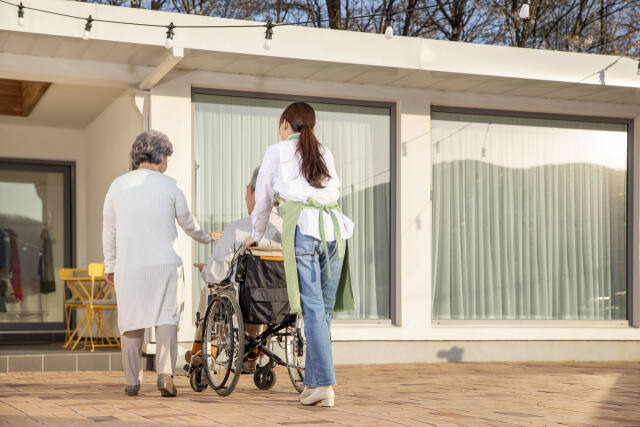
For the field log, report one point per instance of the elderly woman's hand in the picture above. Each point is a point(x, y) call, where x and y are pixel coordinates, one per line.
point(215, 235)
point(109, 278)
point(199, 266)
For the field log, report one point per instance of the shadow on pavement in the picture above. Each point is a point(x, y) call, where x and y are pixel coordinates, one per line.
point(621, 404)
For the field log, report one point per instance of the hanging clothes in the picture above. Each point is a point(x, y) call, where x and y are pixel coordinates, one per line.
point(5, 249)
point(45, 268)
point(3, 296)
point(16, 279)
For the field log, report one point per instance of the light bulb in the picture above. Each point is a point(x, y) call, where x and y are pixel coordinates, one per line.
point(524, 11)
point(21, 14)
point(268, 34)
point(388, 27)
point(388, 32)
point(87, 28)
point(168, 43)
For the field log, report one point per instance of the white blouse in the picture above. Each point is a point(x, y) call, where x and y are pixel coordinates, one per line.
point(280, 173)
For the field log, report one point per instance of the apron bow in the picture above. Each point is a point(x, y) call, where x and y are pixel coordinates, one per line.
point(329, 208)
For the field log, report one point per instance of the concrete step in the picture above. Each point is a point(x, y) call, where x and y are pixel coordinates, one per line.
point(60, 360)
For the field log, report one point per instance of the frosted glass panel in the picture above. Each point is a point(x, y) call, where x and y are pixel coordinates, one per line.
point(529, 218)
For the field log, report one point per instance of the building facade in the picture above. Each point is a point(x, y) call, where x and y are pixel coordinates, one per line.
point(492, 188)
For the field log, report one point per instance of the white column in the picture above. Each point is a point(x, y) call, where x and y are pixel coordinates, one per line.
point(170, 113)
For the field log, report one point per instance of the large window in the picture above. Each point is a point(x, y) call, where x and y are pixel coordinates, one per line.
point(529, 218)
point(231, 134)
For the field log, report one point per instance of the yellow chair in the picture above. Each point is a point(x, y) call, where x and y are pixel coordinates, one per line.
point(78, 299)
point(94, 301)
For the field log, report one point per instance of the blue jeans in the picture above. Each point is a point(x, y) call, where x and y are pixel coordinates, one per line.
point(317, 296)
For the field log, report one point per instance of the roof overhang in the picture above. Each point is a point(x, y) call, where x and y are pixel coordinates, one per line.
point(127, 56)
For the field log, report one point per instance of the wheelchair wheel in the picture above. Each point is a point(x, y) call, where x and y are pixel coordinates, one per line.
point(264, 378)
point(198, 380)
point(223, 342)
point(295, 346)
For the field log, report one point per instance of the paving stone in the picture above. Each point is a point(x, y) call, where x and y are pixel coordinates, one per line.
point(104, 418)
point(491, 394)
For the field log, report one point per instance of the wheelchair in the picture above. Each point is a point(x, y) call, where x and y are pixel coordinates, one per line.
point(226, 345)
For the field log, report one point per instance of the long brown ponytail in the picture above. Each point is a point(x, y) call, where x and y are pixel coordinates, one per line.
point(302, 119)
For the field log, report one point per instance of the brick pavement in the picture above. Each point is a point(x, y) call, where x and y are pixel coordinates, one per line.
point(505, 394)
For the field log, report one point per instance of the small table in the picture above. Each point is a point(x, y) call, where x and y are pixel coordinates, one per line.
point(92, 295)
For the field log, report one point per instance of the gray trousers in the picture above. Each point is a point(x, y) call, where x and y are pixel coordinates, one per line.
point(166, 352)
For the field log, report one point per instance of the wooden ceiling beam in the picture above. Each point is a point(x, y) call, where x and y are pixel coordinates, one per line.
point(19, 98)
point(31, 94)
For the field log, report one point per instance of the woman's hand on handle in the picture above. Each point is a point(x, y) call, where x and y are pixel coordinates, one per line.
point(249, 242)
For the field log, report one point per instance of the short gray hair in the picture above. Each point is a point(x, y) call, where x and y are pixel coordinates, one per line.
point(254, 179)
point(150, 146)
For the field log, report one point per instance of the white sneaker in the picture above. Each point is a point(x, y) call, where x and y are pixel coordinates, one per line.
point(306, 392)
point(320, 394)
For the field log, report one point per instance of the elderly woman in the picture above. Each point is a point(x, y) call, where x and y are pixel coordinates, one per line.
point(138, 238)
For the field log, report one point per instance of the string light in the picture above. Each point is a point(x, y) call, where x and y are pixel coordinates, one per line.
point(170, 33)
point(388, 31)
point(21, 14)
point(524, 10)
point(87, 28)
point(268, 35)
point(168, 43)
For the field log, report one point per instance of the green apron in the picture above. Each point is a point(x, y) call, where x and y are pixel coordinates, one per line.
point(290, 212)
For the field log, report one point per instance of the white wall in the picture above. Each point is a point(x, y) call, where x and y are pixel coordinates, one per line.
point(109, 139)
point(171, 113)
point(101, 152)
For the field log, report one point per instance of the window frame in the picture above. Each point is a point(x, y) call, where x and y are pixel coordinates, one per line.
point(630, 321)
point(68, 170)
point(394, 169)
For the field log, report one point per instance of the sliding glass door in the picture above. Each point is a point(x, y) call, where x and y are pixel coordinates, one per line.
point(35, 241)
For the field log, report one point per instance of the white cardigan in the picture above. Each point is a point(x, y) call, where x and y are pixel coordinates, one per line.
point(138, 240)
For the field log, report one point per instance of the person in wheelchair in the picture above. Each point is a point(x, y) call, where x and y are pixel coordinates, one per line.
point(218, 267)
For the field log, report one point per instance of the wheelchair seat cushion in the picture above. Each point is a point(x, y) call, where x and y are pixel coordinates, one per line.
point(263, 289)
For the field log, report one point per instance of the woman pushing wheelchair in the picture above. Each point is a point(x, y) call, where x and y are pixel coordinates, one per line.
point(300, 172)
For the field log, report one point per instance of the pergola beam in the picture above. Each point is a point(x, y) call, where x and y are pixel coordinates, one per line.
point(70, 71)
point(170, 60)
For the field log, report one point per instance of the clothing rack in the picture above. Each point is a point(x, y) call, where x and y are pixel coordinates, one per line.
point(25, 243)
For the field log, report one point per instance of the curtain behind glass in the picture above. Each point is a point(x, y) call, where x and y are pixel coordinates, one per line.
point(231, 135)
point(529, 218)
